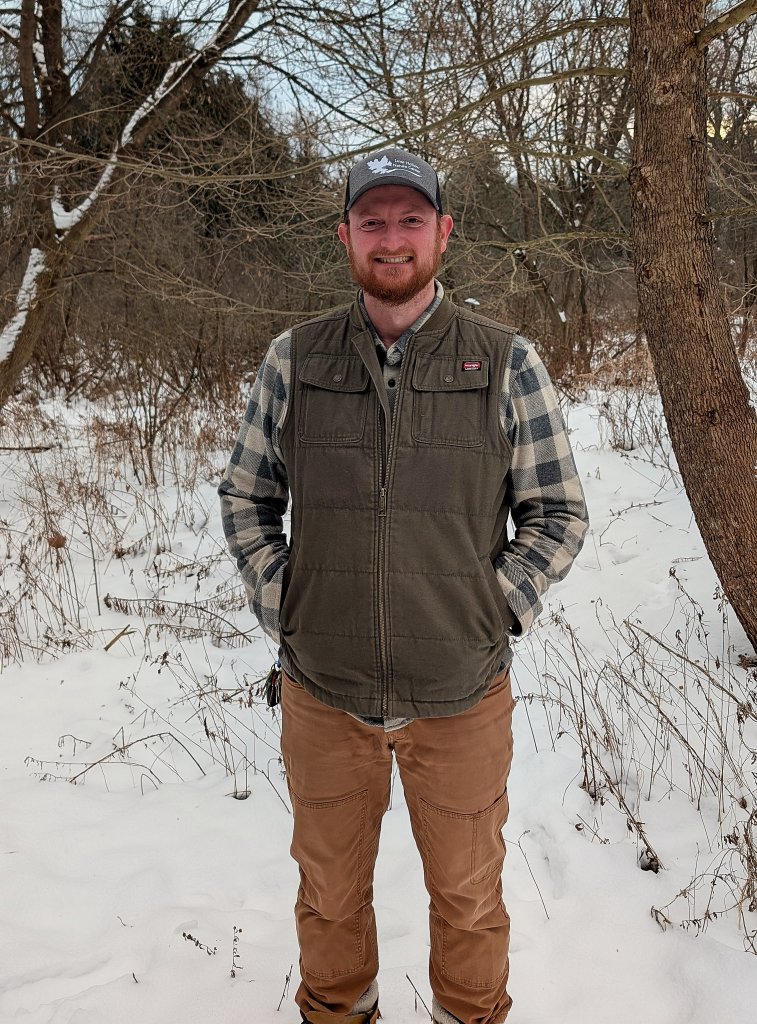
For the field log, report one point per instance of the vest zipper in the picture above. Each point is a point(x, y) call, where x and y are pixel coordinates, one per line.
point(383, 653)
point(385, 458)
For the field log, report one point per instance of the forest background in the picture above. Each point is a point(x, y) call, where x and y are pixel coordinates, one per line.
point(220, 230)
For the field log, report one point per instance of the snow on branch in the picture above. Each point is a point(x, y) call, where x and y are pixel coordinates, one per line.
point(7, 34)
point(175, 81)
point(39, 57)
point(66, 219)
point(27, 293)
point(170, 80)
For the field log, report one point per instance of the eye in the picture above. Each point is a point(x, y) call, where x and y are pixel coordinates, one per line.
point(370, 224)
point(413, 220)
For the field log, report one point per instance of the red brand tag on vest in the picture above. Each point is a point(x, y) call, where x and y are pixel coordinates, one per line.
point(471, 364)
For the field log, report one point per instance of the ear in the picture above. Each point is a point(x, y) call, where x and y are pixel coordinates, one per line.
point(445, 230)
point(343, 232)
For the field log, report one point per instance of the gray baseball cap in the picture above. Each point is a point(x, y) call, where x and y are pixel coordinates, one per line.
point(393, 167)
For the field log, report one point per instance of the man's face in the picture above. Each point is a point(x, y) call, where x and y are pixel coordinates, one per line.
point(394, 240)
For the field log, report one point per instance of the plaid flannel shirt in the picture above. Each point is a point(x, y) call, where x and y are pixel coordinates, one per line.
point(543, 492)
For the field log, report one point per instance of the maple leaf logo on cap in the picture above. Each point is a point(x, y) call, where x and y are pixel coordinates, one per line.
point(382, 166)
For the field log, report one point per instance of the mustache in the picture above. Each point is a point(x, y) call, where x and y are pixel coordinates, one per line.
point(388, 254)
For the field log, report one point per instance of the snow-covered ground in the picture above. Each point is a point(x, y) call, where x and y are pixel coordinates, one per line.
point(159, 887)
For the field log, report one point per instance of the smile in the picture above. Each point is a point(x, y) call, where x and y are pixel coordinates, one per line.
point(394, 259)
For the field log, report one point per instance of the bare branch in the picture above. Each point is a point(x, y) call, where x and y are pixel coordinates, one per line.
point(728, 19)
point(522, 45)
point(28, 295)
point(7, 34)
point(738, 211)
point(559, 238)
point(297, 81)
point(751, 97)
point(487, 97)
point(10, 119)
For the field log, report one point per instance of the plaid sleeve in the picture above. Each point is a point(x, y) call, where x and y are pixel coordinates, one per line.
point(544, 491)
point(255, 489)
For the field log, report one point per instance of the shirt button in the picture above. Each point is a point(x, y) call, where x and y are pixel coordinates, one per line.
point(391, 382)
point(336, 378)
point(448, 379)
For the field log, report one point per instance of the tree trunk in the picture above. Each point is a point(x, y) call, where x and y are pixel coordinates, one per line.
point(682, 307)
point(17, 347)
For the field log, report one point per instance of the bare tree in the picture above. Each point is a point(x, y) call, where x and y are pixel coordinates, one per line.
point(682, 306)
point(567, 143)
point(53, 78)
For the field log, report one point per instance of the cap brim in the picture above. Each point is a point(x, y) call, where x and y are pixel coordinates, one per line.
point(392, 179)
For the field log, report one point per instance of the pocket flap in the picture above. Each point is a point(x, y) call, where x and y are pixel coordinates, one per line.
point(334, 372)
point(450, 373)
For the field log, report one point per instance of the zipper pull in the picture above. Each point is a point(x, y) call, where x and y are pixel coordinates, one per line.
point(382, 501)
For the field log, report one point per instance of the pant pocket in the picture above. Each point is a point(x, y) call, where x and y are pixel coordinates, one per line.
point(464, 847)
point(464, 854)
point(329, 843)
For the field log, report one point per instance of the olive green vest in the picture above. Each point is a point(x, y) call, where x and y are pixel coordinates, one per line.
point(390, 604)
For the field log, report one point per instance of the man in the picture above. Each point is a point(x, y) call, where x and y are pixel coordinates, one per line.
point(406, 431)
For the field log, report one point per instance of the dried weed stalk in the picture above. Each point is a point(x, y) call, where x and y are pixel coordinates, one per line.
point(665, 715)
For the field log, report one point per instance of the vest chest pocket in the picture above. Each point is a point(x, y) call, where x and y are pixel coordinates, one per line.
point(449, 400)
point(333, 398)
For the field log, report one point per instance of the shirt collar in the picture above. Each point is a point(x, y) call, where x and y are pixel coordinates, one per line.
point(395, 353)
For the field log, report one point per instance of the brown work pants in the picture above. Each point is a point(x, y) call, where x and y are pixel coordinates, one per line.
point(454, 773)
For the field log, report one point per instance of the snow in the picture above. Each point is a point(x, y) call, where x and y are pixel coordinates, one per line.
point(472, 302)
point(27, 293)
point(105, 885)
point(39, 57)
point(554, 206)
point(170, 78)
point(65, 219)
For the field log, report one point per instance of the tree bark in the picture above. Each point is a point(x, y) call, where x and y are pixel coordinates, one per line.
point(20, 347)
point(682, 307)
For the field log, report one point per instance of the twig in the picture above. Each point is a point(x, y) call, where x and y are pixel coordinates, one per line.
point(419, 996)
point(528, 716)
point(142, 739)
point(286, 987)
point(33, 448)
point(235, 964)
point(126, 631)
point(525, 858)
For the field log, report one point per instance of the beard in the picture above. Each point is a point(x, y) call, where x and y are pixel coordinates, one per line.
point(392, 285)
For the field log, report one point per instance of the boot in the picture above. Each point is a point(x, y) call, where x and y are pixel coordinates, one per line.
point(367, 1017)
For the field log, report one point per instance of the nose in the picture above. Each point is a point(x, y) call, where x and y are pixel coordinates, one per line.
point(392, 236)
